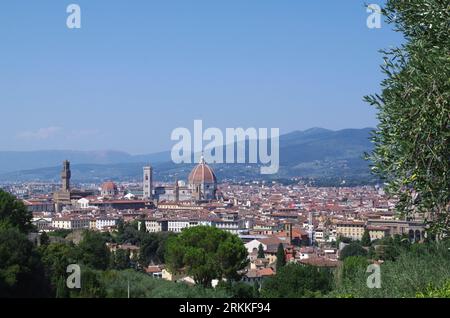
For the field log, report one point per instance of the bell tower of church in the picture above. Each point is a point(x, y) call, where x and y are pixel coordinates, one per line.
point(177, 190)
point(148, 183)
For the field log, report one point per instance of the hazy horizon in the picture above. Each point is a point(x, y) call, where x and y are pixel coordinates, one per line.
point(164, 150)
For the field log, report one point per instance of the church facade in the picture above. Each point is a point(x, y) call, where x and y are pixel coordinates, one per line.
point(201, 186)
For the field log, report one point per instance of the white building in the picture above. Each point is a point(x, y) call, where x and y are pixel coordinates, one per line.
point(70, 223)
point(155, 226)
point(83, 203)
point(177, 226)
point(229, 226)
point(43, 223)
point(319, 235)
point(254, 246)
point(101, 223)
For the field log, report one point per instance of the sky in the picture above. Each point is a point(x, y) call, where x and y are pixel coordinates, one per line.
point(136, 70)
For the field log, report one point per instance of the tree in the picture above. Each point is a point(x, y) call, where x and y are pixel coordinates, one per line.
point(130, 234)
point(152, 248)
point(261, 251)
point(352, 249)
point(372, 254)
point(121, 259)
point(14, 213)
point(45, 240)
point(415, 269)
point(232, 257)
point(63, 233)
point(412, 148)
point(56, 257)
point(93, 251)
point(294, 281)
point(120, 227)
point(390, 248)
point(206, 253)
point(61, 288)
point(142, 227)
point(239, 289)
point(91, 286)
point(352, 266)
point(144, 286)
point(343, 239)
point(281, 257)
point(21, 270)
point(365, 240)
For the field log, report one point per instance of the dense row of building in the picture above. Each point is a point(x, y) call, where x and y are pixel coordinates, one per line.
point(306, 220)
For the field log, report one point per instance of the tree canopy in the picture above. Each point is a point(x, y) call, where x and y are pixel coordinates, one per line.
point(412, 149)
point(352, 249)
point(365, 240)
point(14, 213)
point(206, 253)
point(93, 251)
point(281, 257)
point(21, 271)
point(153, 247)
point(261, 253)
point(295, 281)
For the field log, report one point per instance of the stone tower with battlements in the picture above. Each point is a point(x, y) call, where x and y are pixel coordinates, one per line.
point(65, 176)
point(62, 197)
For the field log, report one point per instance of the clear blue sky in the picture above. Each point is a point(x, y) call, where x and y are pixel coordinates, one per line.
point(138, 69)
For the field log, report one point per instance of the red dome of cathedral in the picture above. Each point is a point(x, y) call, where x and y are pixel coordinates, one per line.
point(202, 173)
point(109, 186)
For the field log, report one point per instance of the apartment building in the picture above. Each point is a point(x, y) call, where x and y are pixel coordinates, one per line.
point(105, 222)
point(70, 223)
point(350, 229)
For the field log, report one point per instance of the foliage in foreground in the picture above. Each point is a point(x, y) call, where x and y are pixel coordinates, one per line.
point(412, 272)
point(433, 292)
point(114, 284)
point(206, 253)
point(295, 281)
point(412, 139)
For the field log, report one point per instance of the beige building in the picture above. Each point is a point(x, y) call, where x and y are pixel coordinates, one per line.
point(350, 229)
point(179, 277)
point(70, 223)
point(155, 226)
point(92, 224)
point(415, 230)
point(377, 232)
point(166, 275)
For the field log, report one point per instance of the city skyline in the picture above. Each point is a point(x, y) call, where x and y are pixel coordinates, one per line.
point(238, 151)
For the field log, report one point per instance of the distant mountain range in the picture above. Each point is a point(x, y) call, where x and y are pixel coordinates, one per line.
point(316, 153)
point(20, 160)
